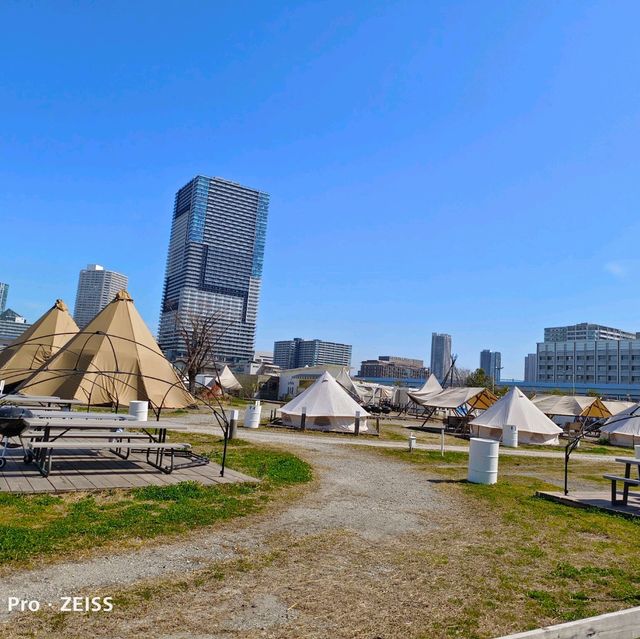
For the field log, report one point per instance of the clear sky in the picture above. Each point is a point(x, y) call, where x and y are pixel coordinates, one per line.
point(461, 167)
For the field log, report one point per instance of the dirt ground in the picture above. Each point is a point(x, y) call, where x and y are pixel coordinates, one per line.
point(324, 565)
point(373, 548)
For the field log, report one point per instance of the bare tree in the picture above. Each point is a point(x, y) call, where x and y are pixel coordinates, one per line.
point(200, 335)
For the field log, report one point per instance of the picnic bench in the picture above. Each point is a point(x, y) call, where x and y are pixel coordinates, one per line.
point(627, 481)
point(48, 435)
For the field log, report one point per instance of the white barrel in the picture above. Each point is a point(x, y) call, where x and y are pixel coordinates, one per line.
point(637, 449)
point(252, 416)
point(510, 436)
point(483, 461)
point(139, 409)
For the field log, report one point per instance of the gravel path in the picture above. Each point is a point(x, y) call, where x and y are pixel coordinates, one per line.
point(363, 494)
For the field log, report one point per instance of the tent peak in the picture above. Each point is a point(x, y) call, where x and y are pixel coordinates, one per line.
point(61, 306)
point(123, 296)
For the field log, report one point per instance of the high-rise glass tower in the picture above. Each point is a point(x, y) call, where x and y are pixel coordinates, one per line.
point(96, 288)
point(440, 355)
point(4, 291)
point(214, 265)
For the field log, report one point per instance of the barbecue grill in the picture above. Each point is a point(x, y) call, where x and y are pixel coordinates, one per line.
point(12, 424)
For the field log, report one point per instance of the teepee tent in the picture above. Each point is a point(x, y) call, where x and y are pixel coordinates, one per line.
point(227, 380)
point(36, 345)
point(328, 407)
point(516, 409)
point(623, 429)
point(113, 361)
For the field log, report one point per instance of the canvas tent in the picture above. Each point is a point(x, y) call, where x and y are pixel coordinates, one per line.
point(328, 407)
point(344, 379)
point(36, 345)
point(431, 387)
point(516, 409)
point(227, 380)
point(461, 400)
point(114, 360)
point(572, 406)
point(372, 393)
point(623, 429)
point(616, 406)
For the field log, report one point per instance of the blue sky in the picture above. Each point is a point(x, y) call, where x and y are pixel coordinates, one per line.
point(462, 167)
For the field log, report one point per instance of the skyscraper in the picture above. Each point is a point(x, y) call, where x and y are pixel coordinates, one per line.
point(530, 367)
point(4, 291)
point(491, 363)
point(214, 265)
point(440, 355)
point(96, 288)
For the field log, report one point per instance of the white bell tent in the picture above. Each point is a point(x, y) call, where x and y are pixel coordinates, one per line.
point(516, 409)
point(327, 406)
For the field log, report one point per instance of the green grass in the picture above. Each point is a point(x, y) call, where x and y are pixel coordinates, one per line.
point(36, 525)
point(560, 563)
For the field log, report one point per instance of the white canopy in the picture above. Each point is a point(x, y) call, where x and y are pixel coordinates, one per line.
point(515, 409)
point(328, 407)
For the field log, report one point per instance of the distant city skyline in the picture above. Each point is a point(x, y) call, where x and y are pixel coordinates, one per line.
point(377, 195)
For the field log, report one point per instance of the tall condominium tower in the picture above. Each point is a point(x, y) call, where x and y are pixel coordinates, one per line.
point(4, 291)
point(440, 354)
point(491, 363)
point(96, 288)
point(214, 265)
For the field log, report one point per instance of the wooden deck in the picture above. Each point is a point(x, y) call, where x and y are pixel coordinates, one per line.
point(92, 471)
point(600, 499)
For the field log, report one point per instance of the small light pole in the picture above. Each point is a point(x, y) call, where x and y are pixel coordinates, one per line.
point(303, 419)
point(412, 442)
point(357, 424)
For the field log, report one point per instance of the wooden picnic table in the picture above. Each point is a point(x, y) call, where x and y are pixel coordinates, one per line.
point(627, 481)
point(38, 400)
point(67, 414)
point(48, 433)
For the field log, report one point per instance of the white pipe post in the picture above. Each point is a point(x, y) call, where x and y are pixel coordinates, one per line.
point(442, 442)
point(233, 424)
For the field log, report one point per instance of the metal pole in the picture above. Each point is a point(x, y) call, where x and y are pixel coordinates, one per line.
point(357, 425)
point(442, 441)
point(224, 450)
point(303, 419)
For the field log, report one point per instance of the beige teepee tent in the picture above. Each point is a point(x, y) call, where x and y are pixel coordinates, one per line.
point(327, 406)
point(36, 345)
point(516, 409)
point(113, 361)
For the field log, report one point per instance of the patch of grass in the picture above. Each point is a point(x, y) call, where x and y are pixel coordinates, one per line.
point(560, 563)
point(35, 525)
